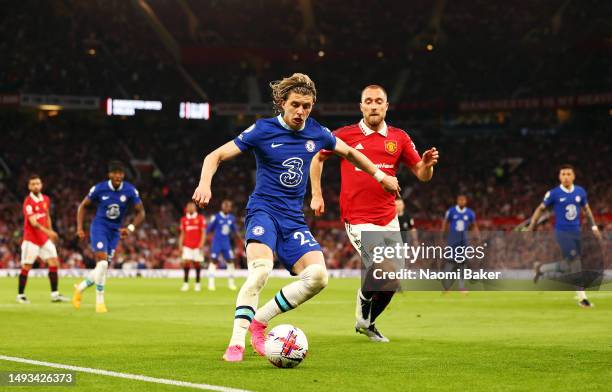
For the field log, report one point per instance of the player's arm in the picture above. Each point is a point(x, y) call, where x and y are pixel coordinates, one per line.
point(536, 216)
point(316, 169)
point(423, 169)
point(476, 230)
point(444, 225)
point(203, 239)
point(591, 219)
point(138, 219)
point(181, 238)
point(202, 194)
point(48, 231)
point(81, 216)
point(389, 183)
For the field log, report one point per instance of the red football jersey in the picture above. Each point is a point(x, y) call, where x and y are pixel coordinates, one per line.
point(39, 208)
point(362, 199)
point(193, 227)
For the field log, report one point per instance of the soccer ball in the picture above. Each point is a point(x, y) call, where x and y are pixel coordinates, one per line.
point(286, 346)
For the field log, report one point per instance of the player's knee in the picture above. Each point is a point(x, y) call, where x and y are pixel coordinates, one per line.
point(103, 264)
point(258, 275)
point(315, 277)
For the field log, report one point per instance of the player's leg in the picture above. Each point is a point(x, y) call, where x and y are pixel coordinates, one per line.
point(186, 263)
point(260, 262)
point(228, 257)
point(212, 267)
point(48, 253)
point(313, 278)
point(261, 237)
point(198, 259)
point(575, 266)
point(29, 253)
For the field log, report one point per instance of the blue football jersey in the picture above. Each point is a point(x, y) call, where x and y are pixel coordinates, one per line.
point(283, 159)
point(112, 203)
point(567, 205)
point(223, 227)
point(459, 219)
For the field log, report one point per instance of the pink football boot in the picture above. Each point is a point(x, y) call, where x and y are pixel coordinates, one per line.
point(258, 336)
point(234, 354)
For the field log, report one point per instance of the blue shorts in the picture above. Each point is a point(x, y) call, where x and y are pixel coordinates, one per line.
point(288, 237)
point(103, 239)
point(569, 242)
point(219, 249)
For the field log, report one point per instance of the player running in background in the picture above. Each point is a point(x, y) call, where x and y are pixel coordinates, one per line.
point(113, 197)
point(457, 221)
point(363, 204)
point(38, 239)
point(284, 147)
point(567, 201)
point(223, 224)
point(191, 243)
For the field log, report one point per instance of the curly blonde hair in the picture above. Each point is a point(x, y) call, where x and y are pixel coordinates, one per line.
point(297, 83)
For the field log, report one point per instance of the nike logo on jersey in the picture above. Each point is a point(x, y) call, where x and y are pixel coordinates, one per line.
point(274, 145)
point(105, 197)
point(562, 199)
point(359, 147)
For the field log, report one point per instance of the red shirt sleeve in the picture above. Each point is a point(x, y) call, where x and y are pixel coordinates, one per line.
point(202, 222)
point(28, 210)
point(410, 155)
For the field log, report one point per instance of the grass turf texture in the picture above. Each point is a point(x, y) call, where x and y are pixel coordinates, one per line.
point(484, 341)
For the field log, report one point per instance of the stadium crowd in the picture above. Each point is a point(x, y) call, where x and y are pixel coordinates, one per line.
point(502, 174)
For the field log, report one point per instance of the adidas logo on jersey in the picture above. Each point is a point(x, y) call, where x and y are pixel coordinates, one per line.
point(359, 147)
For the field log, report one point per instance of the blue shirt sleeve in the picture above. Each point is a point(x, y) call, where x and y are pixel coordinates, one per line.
point(212, 225)
point(549, 200)
point(329, 140)
point(447, 215)
point(583, 199)
point(233, 227)
point(472, 216)
point(247, 139)
point(94, 193)
point(135, 196)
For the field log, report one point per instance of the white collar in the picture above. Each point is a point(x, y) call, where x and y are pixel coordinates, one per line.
point(460, 210)
point(222, 214)
point(36, 198)
point(110, 185)
point(192, 216)
point(367, 131)
point(286, 126)
point(564, 189)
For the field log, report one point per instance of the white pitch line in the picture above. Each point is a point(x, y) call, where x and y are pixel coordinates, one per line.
point(206, 387)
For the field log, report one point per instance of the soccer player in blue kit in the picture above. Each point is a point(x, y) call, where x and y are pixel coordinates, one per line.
point(223, 225)
point(284, 147)
point(113, 197)
point(567, 200)
point(458, 220)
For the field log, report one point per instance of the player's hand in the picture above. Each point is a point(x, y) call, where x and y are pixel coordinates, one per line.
point(53, 236)
point(597, 234)
point(123, 232)
point(391, 185)
point(80, 233)
point(318, 205)
point(430, 157)
point(202, 196)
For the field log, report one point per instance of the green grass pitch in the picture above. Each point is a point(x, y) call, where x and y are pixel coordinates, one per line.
point(483, 341)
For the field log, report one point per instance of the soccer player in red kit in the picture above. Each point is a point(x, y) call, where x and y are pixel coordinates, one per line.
point(363, 205)
point(191, 241)
point(38, 239)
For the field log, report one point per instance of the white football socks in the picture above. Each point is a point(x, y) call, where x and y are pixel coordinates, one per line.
point(248, 298)
point(100, 280)
point(313, 279)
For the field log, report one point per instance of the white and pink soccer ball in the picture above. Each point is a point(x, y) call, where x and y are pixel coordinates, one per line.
point(286, 346)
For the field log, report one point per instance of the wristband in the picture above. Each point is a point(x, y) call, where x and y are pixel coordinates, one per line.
point(131, 228)
point(594, 228)
point(379, 175)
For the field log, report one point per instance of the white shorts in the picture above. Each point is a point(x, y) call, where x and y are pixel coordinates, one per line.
point(193, 254)
point(354, 231)
point(30, 251)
